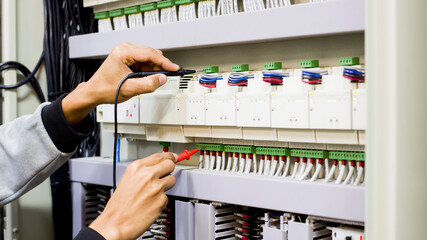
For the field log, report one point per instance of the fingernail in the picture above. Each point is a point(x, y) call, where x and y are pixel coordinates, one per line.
point(176, 66)
point(176, 156)
point(162, 79)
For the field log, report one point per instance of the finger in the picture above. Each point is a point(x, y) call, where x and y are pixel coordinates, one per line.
point(135, 53)
point(149, 84)
point(163, 168)
point(168, 182)
point(156, 158)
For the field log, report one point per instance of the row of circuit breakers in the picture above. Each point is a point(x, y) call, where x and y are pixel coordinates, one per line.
point(311, 97)
point(184, 219)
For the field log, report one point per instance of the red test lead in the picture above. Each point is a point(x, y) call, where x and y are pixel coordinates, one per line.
point(186, 155)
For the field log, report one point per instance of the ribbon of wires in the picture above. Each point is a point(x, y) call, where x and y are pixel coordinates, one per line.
point(274, 77)
point(239, 78)
point(313, 77)
point(209, 79)
point(354, 74)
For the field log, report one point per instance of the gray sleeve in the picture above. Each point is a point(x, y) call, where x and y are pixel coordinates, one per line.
point(32, 147)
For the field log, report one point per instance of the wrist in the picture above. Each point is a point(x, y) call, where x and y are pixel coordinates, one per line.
point(79, 103)
point(103, 226)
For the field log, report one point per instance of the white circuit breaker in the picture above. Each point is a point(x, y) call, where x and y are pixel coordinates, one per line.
point(127, 112)
point(360, 107)
point(191, 105)
point(160, 107)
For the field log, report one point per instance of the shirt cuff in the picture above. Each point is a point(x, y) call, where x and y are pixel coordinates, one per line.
point(89, 234)
point(65, 137)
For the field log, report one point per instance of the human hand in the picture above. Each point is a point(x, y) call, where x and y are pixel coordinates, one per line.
point(138, 199)
point(101, 88)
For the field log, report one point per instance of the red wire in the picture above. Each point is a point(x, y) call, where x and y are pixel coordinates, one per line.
point(311, 81)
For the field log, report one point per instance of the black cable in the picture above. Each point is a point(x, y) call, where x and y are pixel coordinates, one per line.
point(29, 76)
point(181, 72)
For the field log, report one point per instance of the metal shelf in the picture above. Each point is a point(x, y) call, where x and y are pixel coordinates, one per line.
point(296, 21)
point(341, 202)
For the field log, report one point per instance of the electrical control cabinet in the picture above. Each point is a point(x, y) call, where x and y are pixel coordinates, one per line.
point(221, 104)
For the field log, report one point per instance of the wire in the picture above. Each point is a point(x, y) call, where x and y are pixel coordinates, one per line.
point(202, 153)
point(319, 166)
point(239, 78)
point(313, 76)
point(29, 76)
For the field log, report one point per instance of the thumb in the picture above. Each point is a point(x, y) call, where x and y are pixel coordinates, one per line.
point(147, 84)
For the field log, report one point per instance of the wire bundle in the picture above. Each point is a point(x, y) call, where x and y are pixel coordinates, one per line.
point(135, 20)
point(163, 227)
point(239, 78)
point(253, 5)
point(274, 77)
point(187, 12)
point(355, 74)
point(277, 3)
point(206, 8)
point(313, 76)
point(168, 15)
point(249, 223)
point(227, 7)
point(209, 79)
point(151, 17)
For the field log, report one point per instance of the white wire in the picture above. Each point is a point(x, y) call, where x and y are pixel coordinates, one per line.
point(273, 167)
point(223, 161)
point(307, 171)
point(330, 173)
point(341, 173)
point(280, 169)
point(317, 172)
point(218, 162)
point(255, 164)
point(349, 175)
point(267, 165)
point(235, 163)
point(207, 163)
point(301, 169)
point(201, 160)
point(288, 164)
point(326, 166)
point(248, 164)
point(359, 175)
point(229, 163)
point(212, 160)
point(241, 164)
point(261, 166)
point(295, 170)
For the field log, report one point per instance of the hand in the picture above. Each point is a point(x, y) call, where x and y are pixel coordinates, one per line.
point(138, 199)
point(101, 88)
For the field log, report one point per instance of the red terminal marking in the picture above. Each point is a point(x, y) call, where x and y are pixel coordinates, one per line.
point(268, 157)
point(244, 230)
point(296, 159)
point(312, 160)
point(261, 157)
point(343, 162)
point(282, 158)
point(276, 157)
point(246, 223)
point(230, 154)
point(208, 152)
point(352, 163)
point(165, 149)
point(335, 162)
point(202, 152)
point(243, 155)
point(361, 237)
point(245, 216)
point(213, 153)
point(245, 238)
point(361, 164)
point(250, 155)
point(219, 153)
point(167, 234)
point(236, 154)
point(304, 160)
point(186, 155)
point(320, 161)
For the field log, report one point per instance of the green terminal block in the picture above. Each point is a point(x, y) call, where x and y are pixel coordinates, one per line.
point(132, 10)
point(240, 149)
point(210, 147)
point(165, 3)
point(309, 63)
point(309, 153)
point(117, 12)
point(148, 7)
point(273, 151)
point(273, 65)
point(240, 68)
point(211, 69)
point(356, 156)
point(182, 2)
point(349, 61)
point(165, 144)
point(101, 15)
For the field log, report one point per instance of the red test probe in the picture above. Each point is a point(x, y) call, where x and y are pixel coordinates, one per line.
point(186, 155)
